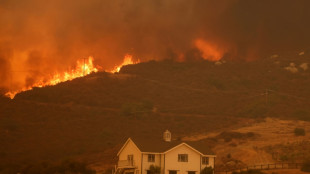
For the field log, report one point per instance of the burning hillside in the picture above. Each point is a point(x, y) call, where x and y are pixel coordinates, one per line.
point(81, 69)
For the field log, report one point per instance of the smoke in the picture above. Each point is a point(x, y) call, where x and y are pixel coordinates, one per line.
point(39, 37)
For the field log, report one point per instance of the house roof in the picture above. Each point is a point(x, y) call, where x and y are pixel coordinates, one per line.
point(158, 145)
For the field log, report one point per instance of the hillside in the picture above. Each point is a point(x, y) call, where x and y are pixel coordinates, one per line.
point(89, 118)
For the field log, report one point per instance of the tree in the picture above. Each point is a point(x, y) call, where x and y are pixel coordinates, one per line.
point(207, 170)
point(154, 169)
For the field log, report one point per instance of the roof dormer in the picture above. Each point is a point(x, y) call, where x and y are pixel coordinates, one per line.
point(167, 136)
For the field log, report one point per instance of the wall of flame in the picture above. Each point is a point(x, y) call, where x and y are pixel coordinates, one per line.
point(39, 39)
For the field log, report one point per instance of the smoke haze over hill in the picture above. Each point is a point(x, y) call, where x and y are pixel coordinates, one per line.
point(41, 37)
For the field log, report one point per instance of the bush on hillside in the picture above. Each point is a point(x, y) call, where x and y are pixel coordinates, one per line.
point(228, 136)
point(306, 166)
point(299, 132)
point(136, 109)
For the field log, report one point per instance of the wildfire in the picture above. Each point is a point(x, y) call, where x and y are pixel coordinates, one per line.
point(127, 61)
point(81, 69)
point(209, 51)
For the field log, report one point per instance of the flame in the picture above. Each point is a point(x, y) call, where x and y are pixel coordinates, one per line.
point(127, 61)
point(209, 51)
point(81, 69)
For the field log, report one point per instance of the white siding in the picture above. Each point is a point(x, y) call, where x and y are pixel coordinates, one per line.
point(167, 161)
point(131, 149)
point(211, 163)
point(172, 163)
point(146, 165)
point(162, 163)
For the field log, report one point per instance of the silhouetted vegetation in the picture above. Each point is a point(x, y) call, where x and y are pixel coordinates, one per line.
point(306, 165)
point(207, 170)
point(64, 167)
point(154, 169)
point(228, 136)
point(137, 109)
point(299, 132)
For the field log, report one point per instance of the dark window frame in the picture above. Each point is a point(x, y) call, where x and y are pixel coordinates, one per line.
point(182, 157)
point(205, 160)
point(151, 157)
point(173, 171)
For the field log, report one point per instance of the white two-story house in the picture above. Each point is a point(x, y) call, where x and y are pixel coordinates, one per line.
point(172, 157)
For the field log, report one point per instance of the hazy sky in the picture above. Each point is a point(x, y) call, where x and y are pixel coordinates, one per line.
point(41, 37)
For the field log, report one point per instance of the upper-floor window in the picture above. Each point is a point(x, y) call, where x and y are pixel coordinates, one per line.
point(205, 160)
point(130, 160)
point(129, 157)
point(183, 157)
point(151, 158)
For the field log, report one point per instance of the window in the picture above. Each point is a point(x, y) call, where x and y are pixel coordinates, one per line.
point(205, 160)
point(130, 160)
point(182, 157)
point(172, 172)
point(151, 158)
point(191, 172)
point(130, 157)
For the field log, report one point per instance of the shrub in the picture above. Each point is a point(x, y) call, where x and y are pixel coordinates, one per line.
point(299, 132)
point(154, 169)
point(228, 136)
point(207, 170)
point(306, 166)
point(136, 109)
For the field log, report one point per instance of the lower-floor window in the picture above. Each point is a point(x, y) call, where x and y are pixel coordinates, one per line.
point(172, 172)
point(191, 172)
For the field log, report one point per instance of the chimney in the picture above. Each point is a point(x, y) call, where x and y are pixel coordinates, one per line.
point(167, 136)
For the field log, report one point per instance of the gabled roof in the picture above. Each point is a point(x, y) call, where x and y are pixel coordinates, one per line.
point(157, 145)
point(127, 141)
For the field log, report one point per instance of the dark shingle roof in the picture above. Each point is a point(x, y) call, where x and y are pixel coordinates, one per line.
point(159, 145)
